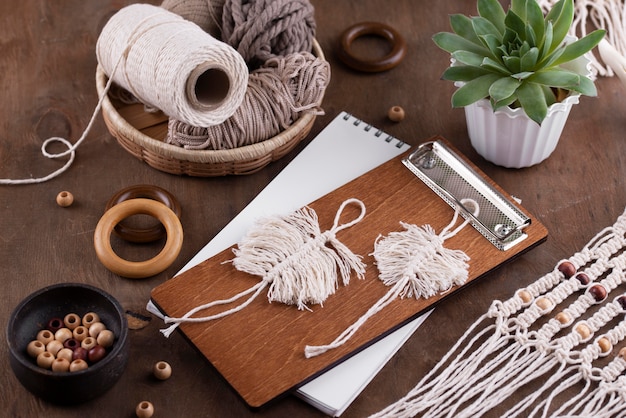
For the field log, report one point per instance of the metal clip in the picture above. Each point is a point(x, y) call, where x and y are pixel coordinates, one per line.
point(499, 220)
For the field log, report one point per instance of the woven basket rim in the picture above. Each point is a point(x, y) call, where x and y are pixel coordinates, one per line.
point(244, 153)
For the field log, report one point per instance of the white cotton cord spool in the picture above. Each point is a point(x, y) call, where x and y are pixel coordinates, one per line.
point(173, 65)
point(215, 84)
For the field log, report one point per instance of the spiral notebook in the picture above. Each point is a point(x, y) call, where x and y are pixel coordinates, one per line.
point(366, 147)
point(260, 350)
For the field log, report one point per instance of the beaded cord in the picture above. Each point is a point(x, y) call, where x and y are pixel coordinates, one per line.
point(543, 334)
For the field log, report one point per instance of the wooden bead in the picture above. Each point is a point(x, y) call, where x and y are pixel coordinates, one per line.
point(598, 292)
point(65, 353)
point(63, 334)
point(35, 347)
point(60, 365)
point(544, 304)
point(162, 370)
point(144, 409)
point(90, 318)
point(105, 338)
point(55, 324)
point(80, 354)
point(45, 336)
point(95, 328)
point(622, 352)
point(605, 345)
point(71, 321)
point(88, 343)
point(525, 296)
point(622, 302)
point(78, 365)
point(396, 114)
point(80, 333)
point(96, 353)
point(45, 360)
point(65, 199)
point(563, 318)
point(71, 343)
point(567, 268)
point(583, 279)
point(584, 331)
point(54, 346)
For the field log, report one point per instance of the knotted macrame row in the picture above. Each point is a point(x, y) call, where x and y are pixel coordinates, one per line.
point(555, 334)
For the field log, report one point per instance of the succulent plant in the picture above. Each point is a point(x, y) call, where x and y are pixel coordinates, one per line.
point(516, 58)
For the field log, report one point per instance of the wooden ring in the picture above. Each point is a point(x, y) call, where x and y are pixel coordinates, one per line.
point(151, 233)
point(393, 58)
point(138, 269)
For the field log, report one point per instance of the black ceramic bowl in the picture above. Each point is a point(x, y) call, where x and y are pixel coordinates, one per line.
point(56, 301)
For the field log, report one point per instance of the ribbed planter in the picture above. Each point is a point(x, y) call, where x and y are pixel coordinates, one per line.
point(509, 138)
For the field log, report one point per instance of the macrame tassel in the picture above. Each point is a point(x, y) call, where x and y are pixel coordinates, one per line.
point(294, 258)
point(416, 264)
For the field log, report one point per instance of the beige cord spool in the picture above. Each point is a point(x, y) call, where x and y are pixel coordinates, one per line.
point(138, 269)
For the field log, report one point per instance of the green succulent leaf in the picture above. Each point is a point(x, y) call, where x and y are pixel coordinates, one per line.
point(580, 47)
point(503, 89)
point(462, 26)
point(483, 26)
point(562, 16)
point(493, 43)
point(534, 17)
point(474, 90)
point(586, 87)
point(504, 102)
point(516, 25)
point(528, 60)
point(495, 66)
point(512, 64)
point(531, 98)
point(463, 73)
point(556, 77)
point(519, 8)
point(492, 11)
point(451, 42)
point(468, 58)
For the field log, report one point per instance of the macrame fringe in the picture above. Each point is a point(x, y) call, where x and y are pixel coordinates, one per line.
point(416, 264)
point(295, 260)
point(514, 344)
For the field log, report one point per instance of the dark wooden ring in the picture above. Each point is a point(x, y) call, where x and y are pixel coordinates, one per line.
point(143, 191)
point(389, 61)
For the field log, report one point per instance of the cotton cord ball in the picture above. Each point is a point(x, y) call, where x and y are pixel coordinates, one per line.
point(262, 29)
point(277, 94)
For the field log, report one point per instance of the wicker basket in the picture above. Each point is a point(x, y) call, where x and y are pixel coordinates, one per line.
point(143, 134)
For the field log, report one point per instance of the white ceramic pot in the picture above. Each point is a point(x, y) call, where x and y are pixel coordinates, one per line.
point(509, 138)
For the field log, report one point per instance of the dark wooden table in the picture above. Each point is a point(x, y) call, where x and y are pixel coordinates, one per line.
point(47, 63)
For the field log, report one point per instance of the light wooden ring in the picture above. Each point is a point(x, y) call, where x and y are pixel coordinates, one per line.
point(393, 58)
point(138, 269)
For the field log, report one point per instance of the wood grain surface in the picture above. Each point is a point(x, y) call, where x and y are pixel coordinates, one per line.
point(260, 350)
point(48, 67)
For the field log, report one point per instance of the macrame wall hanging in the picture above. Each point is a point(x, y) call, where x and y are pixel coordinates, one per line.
point(561, 333)
point(294, 258)
point(416, 264)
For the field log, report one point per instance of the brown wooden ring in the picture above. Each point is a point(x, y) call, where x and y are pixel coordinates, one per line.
point(138, 269)
point(393, 58)
point(149, 234)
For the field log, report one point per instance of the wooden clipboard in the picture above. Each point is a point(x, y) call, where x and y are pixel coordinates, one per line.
point(260, 350)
